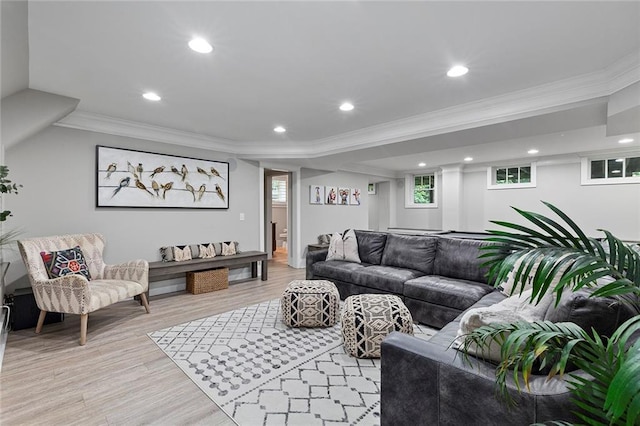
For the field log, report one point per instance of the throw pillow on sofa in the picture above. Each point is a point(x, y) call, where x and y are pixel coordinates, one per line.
point(344, 247)
point(512, 309)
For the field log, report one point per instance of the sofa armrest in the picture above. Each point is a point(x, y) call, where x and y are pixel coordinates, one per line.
point(427, 383)
point(135, 270)
point(313, 257)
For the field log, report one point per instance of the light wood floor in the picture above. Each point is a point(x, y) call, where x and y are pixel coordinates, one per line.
point(120, 377)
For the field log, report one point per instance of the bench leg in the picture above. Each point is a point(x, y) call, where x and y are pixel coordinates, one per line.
point(264, 270)
point(254, 269)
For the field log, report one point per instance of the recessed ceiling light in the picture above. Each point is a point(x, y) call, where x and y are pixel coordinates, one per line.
point(468, 158)
point(532, 151)
point(457, 71)
point(200, 45)
point(616, 171)
point(422, 164)
point(279, 129)
point(625, 140)
point(346, 106)
point(620, 160)
point(150, 96)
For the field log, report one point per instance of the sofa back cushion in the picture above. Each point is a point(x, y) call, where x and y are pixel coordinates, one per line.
point(370, 246)
point(458, 258)
point(604, 314)
point(410, 252)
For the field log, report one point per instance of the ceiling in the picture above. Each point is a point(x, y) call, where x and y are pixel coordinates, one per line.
point(536, 68)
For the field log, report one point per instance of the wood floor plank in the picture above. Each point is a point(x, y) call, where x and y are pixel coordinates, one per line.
point(120, 377)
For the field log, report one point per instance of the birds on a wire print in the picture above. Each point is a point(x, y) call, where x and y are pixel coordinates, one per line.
point(156, 176)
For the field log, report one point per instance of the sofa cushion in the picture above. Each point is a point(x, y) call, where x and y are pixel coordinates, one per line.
point(371, 246)
point(458, 258)
point(603, 314)
point(410, 252)
point(387, 278)
point(445, 291)
point(337, 269)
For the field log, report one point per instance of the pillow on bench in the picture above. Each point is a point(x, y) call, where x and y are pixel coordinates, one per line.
point(198, 251)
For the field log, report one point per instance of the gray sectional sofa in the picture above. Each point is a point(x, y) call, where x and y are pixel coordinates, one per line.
point(439, 278)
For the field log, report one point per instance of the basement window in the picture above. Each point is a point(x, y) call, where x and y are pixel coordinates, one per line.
point(421, 191)
point(512, 176)
point(611, 170)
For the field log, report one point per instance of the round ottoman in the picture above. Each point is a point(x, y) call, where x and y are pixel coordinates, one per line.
point(314, 303)
point(368, 318)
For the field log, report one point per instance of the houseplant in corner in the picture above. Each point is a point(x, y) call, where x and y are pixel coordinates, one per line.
point(6, 187)
point(610, 268)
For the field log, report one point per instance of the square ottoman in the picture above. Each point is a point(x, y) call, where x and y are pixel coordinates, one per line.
point(310, 303)
point(368, 318)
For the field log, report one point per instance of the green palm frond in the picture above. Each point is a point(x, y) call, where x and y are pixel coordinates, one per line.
point(611, 395)
point(561, 250)
point(565, 259)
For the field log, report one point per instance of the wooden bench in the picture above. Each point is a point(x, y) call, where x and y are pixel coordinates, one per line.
point(159, 271)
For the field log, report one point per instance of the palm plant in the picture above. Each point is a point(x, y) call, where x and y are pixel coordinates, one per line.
point(612, 394)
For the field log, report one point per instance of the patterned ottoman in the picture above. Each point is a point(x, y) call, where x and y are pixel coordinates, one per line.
point(314, 303)
point(368, 318)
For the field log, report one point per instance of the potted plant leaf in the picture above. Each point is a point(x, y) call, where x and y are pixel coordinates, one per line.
point(6, 187)
point(608, 268)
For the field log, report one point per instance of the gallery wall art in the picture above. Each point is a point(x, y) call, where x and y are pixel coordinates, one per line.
point(128, 178)
point(334, 195)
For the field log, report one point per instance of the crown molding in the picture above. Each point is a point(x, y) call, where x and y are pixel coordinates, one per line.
point(84, 120)
point(543, 99)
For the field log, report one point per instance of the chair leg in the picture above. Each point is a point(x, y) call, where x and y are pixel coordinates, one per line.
point(84, 319)
point(40, 321)
point(145, 302)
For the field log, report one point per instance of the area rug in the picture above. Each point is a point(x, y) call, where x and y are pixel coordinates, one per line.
point(260, 372)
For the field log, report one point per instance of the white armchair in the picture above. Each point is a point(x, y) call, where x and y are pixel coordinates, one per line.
point(74, 294)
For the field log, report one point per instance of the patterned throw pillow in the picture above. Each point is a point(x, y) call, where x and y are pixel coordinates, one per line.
point(344, 247)
point(206, 252)
point(181, 253)
point(65, 262)
point(229, 248)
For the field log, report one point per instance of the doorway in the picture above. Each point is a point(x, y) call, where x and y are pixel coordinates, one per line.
point(277, 214)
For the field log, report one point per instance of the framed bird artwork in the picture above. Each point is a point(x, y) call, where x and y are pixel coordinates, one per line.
point(128, 178)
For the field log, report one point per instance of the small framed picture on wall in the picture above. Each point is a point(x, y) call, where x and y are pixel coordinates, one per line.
point(316, 194)
point(343, 196)
point(355, 197)
point(371, 189)
point(331, 195)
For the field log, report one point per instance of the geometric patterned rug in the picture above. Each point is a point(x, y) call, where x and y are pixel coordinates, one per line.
point(261, 372)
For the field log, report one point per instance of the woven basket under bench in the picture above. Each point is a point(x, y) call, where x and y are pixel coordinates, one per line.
point(206, 281)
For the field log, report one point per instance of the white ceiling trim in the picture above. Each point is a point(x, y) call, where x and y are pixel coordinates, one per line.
point(84, 120)
point(543, 99)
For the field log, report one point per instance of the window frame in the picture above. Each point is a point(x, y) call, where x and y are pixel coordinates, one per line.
point(409, 185)
point(491, 173)
point(585, 170)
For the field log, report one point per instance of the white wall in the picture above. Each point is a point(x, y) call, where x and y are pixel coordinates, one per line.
point(324, 219)
point(612, 207)
point(416, 218)
point(57, 169)
point(15, 47)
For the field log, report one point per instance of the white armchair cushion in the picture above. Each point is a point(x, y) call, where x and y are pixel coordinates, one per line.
point(107, 292)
